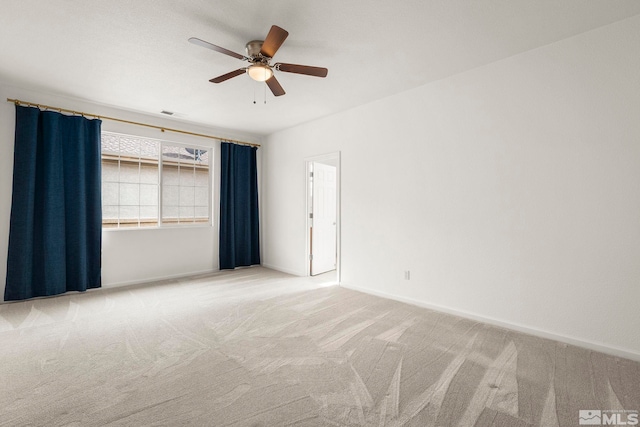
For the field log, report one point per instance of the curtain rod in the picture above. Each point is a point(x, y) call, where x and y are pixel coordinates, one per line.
point(162, 128)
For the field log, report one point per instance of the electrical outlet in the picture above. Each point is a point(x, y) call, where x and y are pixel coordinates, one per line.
point(407, 275)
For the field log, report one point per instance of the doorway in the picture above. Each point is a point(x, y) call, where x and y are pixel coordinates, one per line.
point(323, 216)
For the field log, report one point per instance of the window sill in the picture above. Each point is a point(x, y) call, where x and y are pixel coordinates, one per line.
point(159, 227)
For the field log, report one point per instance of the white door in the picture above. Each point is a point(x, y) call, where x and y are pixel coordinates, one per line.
point(323, 223)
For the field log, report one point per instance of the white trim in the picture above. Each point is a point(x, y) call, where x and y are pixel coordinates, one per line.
point(591, 345)
point(336, 155)
point(156, 279)
point(117, 285)
point(156, 227)
point(285, 270)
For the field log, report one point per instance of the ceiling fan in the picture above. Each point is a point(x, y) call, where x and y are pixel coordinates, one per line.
point(259, 54)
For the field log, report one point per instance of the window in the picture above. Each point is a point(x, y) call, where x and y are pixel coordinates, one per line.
point(185, 185)
point(150, 183)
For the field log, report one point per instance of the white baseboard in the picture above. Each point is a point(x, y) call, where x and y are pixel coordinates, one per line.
point(284, 270)
point(602, 348)
point(156, 279)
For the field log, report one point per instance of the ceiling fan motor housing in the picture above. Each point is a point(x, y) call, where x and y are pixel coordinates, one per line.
point(253, 50)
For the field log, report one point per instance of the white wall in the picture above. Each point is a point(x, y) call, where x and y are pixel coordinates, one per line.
point(128, 256)
point(511, 191)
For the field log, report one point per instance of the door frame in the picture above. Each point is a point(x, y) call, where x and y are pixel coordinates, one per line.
point(334, 156)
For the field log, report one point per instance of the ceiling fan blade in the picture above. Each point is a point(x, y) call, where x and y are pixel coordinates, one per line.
point(275, 87)
point(211, 46)
point(274, 40)
point(228, 76)
point(302, 69)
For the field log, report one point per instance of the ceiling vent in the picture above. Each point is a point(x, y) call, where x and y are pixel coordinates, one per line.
point(168, 113)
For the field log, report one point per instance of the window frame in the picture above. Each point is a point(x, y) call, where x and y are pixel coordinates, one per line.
point(160, 225)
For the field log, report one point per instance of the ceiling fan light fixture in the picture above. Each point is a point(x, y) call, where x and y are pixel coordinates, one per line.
point(260, 72)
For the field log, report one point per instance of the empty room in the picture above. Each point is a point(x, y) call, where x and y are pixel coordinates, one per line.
point(336, 213)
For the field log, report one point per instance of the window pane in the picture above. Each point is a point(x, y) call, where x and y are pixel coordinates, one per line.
point(132, 180)
point(149, 196)
point(129, 215)
point(203, 157)
point(201, 197)
point(186, 213)
point(149, 173)
point(149, 150)
point(170, 214)
point(202, 177)
point(170, 195)
point(170, 174)
point(110, 215)
point(110, 170)
point(148, 216)
point(128, 161)
point(110, 193)
point(129, 148)
point(129, 194)
point(170, 154)
point(187, 175)
point(186, 196)
point(129, 172)
point(110, 144)
point(186, 184)
point(202, 214)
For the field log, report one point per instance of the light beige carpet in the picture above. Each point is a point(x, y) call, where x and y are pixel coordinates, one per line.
point(259, 348)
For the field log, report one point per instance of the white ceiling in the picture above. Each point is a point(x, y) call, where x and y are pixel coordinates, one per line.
point(135, 54)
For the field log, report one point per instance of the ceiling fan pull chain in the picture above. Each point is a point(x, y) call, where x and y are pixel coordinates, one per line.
point(254, 94)
point(265, 94)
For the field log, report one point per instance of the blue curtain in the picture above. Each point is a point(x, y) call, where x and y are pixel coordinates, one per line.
point(239, 226)
point(55, 234)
